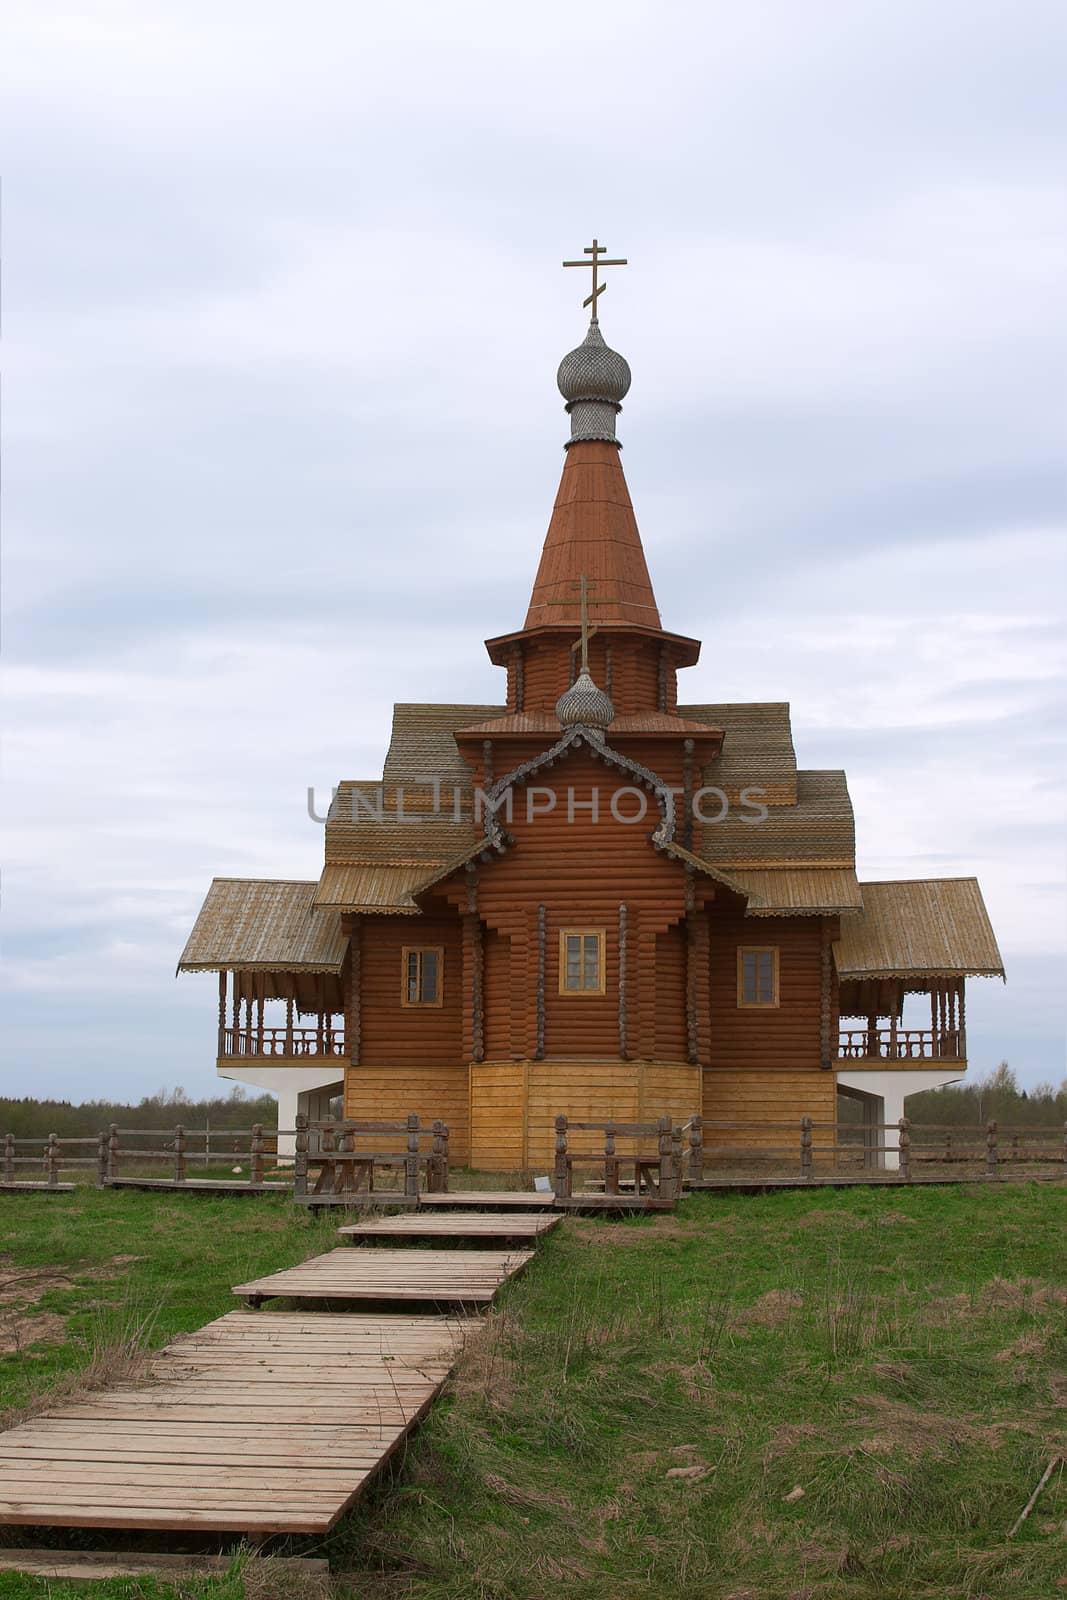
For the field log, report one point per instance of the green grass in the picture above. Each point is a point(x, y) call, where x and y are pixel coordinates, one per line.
point(898, 1355)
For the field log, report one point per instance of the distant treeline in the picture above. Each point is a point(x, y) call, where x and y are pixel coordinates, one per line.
point(26, 1118)
point(996, 1097)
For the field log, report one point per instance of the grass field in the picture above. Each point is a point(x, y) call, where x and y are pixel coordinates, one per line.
point(648, 1400)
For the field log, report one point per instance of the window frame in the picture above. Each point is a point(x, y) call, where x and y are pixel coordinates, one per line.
point(601, 936)
point(420, 950)
point(744, 950)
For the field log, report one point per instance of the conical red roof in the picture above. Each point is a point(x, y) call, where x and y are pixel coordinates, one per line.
point(593, 531)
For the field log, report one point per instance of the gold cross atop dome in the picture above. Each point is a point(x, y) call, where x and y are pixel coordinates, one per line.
point(596, 250)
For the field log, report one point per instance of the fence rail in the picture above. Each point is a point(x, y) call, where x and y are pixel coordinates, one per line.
point(292, 1042)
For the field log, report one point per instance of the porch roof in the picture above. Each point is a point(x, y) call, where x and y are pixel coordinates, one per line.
point(269, 924)
point(372, 888)
point(919, 928)
point(799, 891)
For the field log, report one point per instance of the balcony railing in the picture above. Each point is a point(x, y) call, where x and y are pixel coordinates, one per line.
point(902, 1044)
point(291, 1042)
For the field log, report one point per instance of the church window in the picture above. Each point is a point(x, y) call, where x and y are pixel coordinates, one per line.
point(757, 975)
point(422, 975)
point(581, 961)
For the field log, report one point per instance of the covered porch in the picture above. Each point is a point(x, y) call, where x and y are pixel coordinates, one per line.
point(280, 964)
point(904, 958)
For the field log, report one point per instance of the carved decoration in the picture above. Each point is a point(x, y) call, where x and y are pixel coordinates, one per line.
point(623, 932)
point(826, 998)
point(539, 1053)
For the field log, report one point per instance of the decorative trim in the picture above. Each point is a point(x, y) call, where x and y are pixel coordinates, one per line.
point(661, 679)
point(519, 658)
point(477, 989)
point(487, 763)
point(692, 1033)
point(601, 751)
point(609, 669)
point(539, 1053)
point(623, 932)
point(354, 1020)
point(825, 998)
point(222, 1009)
point(688, 747)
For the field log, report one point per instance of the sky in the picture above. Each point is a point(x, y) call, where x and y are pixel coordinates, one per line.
point(282, 310)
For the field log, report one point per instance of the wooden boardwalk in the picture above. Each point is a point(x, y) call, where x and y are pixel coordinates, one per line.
point(444, 1277)
point(527, 1226)
point(489, 1200)
point(259, 1423)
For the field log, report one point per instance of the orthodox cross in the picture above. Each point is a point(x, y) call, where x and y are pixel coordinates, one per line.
point(596, 250)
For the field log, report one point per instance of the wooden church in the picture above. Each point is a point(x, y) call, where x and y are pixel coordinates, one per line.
point(591, 898)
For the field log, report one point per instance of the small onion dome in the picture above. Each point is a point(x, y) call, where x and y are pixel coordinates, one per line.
point(593, 371)
point(584, 705)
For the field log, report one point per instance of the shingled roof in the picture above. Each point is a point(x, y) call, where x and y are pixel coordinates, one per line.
point(920, 927)
point(264, 923)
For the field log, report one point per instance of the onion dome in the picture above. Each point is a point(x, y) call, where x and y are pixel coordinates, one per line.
point(584, 705)
point(593, 380)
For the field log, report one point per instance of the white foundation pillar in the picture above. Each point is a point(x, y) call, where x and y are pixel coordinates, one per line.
point(887, 1089)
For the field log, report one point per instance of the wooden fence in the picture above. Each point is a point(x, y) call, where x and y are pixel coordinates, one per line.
point(813, 1144)
point(349, 1162)
point(655, 1175)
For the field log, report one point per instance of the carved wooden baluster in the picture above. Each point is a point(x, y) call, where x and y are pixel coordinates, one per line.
point(255, 1169)
point(961, 1047)
point(235, 1026)
point(411, 1165)
point(805, 1147)
point(561, 1182)
point(991, 1150)
point(696, 1150)
point(668, 1187)
point(300, 1157)
point(179, 1154)
point(904, 1149)
point(611, 1161)
point(289, 1025)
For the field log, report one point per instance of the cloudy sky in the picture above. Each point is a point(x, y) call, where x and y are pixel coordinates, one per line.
point(282, 311)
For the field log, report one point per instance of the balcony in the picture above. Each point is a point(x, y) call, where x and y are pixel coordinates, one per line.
point(902, 1044)
point(285, 1044)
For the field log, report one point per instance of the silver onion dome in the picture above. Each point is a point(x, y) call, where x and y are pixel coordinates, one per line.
point(584, 705)
point(593, 380)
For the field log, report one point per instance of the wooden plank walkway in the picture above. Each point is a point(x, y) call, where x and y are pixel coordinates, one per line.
point(489, 1200)
point(36, 1188)
point(445, 1277)
point(259, 1423)
point(528, 1226)
point(200, 1185)
point(93, 1565)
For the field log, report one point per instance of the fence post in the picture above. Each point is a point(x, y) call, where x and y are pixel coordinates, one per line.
point(668, 1188)
point(611, 1161)
point(179, 1154)
point(411, 1165)
point(300, 1156)
point(805, 1147)
point(1065, 1147)
point(433, 1182)
point(255, 1168)
point(562, 1178)
point(676, 1157)
point(904, 1149)
point(9, 1155)
point(51, 1161)
point(444, 1158)
point(101, 1160)
point(991, 1150)
point(113, 1151)
point(696, 1150)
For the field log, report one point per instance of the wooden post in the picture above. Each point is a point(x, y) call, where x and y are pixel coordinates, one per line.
point(113, 1151)
point(255, 1170)
point(433, 1177)
point(562, 1179)
point(668, 1183)
point(179, 1154)
point(9, 1156)
point(611, 1161)
point(289, 1025)
point(805, 1147)
point(51, 1161)
point(676, 1155)
point(222, 1012)
point(411, 1165)
point(101, 1160)
point(300, 1156)
point(991, 1150)
point(904, 1148)
point(696, 1150)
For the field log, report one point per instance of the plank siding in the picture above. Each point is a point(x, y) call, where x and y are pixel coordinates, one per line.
point(390, 1094)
